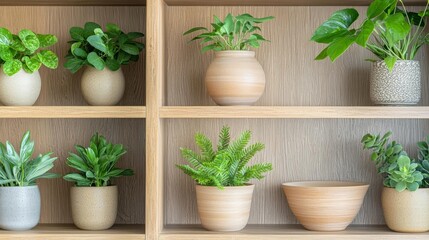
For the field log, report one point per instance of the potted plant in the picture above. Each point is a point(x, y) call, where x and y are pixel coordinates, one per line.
point(393, 34)
point(20, 59)
point(224, 194)
point(234, 77)
point(103, 52)
point(94, 200)
point(19, 194)
point(405, 194)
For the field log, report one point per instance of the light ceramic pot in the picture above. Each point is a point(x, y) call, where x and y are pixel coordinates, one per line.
point(401, 86)
point(19, 207)
point(235, 78)
point(102, 87)
point(20, 89)
point(94, 208)
point(406, 211)
point(224, 210)
point(325, 206)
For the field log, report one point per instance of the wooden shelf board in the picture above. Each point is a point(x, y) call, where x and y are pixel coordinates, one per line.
point(73, 112)
point(72, 2)
point(294, 112)
point(70, 232)
point(279, 2)
point(296, 232)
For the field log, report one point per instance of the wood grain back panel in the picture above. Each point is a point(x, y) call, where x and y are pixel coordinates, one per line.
point(60, 87)
point(60, 136)
point(300, 150)
point(293, 77)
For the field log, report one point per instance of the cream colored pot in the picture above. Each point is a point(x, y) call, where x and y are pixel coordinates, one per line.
point(20, 89)
point(224, 210)
point(406, 211)
point(102, 87)
point(235, 78)
point(94, 208)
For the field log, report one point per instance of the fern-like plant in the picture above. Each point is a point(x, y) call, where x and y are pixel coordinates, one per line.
point(96, 164)
point(19, 169)
point(227, 165)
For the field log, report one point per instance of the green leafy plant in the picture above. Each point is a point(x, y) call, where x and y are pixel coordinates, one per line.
point(233, 33)
point(389, 31)
point(97, 163)
point(97, 48)
point(399, 171)
point(226, 166)
point(23, 51)
point(19, 169)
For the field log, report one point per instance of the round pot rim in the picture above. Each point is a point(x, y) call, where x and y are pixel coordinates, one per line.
point(20, 187)
point(105, 68)
point(236, 52)
point(406, 190)
point(247, 185)
point(111, 186)
point(382, 61)
point(341, 184)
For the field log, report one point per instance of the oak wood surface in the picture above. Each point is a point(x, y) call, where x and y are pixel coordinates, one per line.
point(72, 3)
point(279, 2)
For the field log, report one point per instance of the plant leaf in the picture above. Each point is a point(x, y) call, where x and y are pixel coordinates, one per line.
point(95, 61)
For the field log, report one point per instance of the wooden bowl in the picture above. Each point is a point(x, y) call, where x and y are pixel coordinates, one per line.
point(325, 206)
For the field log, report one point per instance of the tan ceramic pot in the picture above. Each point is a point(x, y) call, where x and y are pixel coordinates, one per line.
point(235, 78)
point(406, 211)
point(94, 208)
point(102, 88)
point(325, 206)
point(224, 210)
point(20, 89)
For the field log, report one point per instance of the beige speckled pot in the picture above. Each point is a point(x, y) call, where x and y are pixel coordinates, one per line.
point(224, 210)
point(406, 211)
point(94, 208)
point(102, 88)
point(235, 78)
point(20, 89)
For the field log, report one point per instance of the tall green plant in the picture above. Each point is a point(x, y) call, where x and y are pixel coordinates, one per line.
point(227, 165)
point(233, 33)
point(18, 169)
point(22, 51)
point(389, 31)
point(96, 164)
point(97, 48)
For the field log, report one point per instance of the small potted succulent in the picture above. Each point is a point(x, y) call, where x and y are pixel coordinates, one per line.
point(393, 34)
point(234, 77)
point(20, 58)
point(405, 194)
point(19, 193)
point(224, 194)
point(103, 52)
point(94, 200)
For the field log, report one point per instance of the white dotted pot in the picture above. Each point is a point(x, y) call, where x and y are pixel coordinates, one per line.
point(20, 89)
point(19, 207)
point(102, 87)
point(401, 86)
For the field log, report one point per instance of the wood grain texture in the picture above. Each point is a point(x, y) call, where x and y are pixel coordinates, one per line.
point(73, 3)
point(293, 78)
point(73, 112)
point(300, 150)
point(154, 125)
point(70, 232)
point(279, 2)
point(277, 232)
point(60, 87)
point(294, 112)
point(59, 136)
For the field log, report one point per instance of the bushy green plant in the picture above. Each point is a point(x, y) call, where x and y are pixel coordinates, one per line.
point(233, 33)
point(22, 51)
point(19, 169)
point(97, 48)
point(97, 163)
point(399, 171)
point(226, 166)
point(389, 31)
